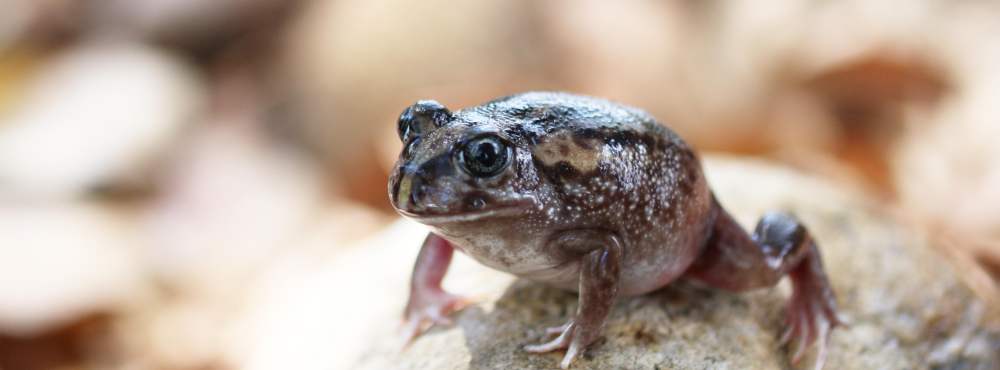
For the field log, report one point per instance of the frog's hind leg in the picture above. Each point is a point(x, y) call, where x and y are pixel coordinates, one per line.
point(780, 245)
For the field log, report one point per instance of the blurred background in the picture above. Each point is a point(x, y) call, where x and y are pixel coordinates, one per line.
point(169, 167)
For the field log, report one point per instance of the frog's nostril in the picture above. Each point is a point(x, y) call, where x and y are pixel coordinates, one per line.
point(476, 202)
point(418, 193)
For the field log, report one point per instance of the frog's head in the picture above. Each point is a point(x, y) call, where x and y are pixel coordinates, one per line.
point(459, 167)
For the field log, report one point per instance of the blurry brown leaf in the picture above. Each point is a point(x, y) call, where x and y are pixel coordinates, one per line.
point(81, 344)
point(867, 99)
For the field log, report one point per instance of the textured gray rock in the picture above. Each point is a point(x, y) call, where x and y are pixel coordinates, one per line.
point(908, 307)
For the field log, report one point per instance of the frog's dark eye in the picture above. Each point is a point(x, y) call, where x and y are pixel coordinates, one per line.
point(484, 156)
point(420, 118)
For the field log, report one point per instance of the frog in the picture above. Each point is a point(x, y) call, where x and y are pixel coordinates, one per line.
point(591, 196)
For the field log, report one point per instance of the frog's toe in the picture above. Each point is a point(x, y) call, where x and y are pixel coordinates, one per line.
point(430, 311)
point(560, 342)
point(567, 333)
point(552, 331)
point(810, 319)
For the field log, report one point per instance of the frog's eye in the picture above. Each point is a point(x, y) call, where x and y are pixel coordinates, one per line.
point(484, 156)
point(420, 118)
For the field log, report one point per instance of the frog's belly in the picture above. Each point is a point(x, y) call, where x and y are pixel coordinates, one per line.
point(525, 257)
point(642, 273)
point(650, 264)
point(634, 281)
point(658, 259)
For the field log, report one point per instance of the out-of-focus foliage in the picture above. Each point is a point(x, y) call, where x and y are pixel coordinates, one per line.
point(166, 165)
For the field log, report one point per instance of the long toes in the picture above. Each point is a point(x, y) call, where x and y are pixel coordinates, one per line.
point(558, 329)
point(815, 320)
point(824, 325)
point(552, 331)
point(560, 342)
point(791, 326)
point(456, 303)
point(803, 339)
point(410, 331)
point(421, 318)
point(550, 346)
point(439, 316)
point(571, 353)
point(821, 347)
point(830, 312)
point(790, 331)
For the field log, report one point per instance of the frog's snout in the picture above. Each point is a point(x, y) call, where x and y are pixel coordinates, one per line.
point(401, 194)
point(413, 193)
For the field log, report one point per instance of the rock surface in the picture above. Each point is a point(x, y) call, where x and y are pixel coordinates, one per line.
point(908, 307)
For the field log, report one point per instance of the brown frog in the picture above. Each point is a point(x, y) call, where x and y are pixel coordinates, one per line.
point(591, 196)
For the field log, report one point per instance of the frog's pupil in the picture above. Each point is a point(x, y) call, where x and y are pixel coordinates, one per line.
point(486, 153)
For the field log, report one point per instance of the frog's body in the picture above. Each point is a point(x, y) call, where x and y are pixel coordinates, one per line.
point(586, 195)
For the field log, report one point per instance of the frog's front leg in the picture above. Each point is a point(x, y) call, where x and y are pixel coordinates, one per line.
point(780, 245)
point(429, 304)
point(599, 274)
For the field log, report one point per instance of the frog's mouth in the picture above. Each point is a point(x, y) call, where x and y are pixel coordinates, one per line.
point(498, 211)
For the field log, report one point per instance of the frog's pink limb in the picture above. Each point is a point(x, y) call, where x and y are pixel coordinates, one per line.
point(429, 304)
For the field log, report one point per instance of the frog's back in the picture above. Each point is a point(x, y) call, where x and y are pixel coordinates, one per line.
point(555, 111)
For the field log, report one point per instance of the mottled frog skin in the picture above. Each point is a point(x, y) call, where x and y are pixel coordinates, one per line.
point(586, 195)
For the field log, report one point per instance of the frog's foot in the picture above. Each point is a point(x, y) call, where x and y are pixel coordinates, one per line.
point(566, 339)
point(430, 309)
point(812, 313)
point(549, 332)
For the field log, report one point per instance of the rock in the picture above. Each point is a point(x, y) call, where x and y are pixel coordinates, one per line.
point(908, 307)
